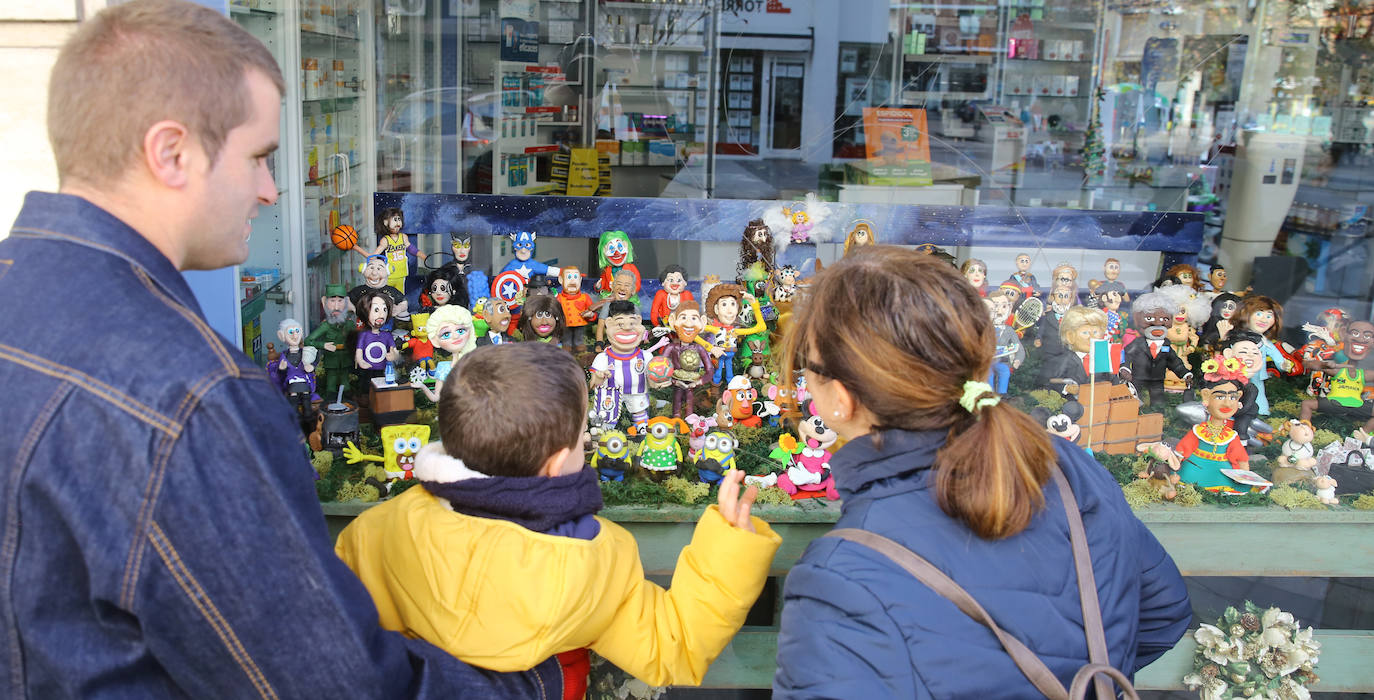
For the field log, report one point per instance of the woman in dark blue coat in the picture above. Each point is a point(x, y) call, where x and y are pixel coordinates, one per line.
point(894, 346)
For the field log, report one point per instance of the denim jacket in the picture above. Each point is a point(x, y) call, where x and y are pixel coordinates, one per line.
point(161, 534)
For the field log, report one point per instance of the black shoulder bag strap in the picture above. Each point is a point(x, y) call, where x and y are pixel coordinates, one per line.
point(1035, 670)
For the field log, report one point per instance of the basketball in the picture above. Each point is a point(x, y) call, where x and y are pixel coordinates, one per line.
point(660, 369)
point(344, 237)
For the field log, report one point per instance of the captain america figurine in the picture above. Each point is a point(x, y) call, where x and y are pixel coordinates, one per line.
point(524, 263)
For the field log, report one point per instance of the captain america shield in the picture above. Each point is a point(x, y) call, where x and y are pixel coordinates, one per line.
point(508, 286)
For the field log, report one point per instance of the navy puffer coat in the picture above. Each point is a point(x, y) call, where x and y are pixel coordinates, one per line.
point(855, 625)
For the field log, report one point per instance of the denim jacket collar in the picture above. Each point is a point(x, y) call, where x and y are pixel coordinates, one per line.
point(76, 220)
point(904, 457)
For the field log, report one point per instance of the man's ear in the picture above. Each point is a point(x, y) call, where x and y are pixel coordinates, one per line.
point(168, 151)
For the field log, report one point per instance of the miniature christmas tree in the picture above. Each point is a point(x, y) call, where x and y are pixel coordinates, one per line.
point(1094, 162)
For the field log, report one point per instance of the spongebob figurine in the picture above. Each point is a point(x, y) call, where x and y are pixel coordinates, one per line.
point(612, 457)
point(660, 452)
point(717, 456)
point(400, 444)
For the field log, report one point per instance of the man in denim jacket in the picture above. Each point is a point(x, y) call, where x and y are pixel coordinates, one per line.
point(161, 536)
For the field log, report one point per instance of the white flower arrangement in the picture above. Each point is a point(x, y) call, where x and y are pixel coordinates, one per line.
point(1261, 654)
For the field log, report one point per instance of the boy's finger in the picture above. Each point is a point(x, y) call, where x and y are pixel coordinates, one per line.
point(745, 505)
point(728, 497)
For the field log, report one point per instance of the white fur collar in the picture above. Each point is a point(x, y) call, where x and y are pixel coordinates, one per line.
point(435, 465)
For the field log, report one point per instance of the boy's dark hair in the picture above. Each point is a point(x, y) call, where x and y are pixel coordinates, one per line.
point(621, 308)
point(506, 408)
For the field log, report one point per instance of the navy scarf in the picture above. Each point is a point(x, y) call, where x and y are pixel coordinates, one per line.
point(560, 505)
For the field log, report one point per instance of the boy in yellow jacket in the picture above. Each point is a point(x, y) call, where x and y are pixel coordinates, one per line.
point(499, 559)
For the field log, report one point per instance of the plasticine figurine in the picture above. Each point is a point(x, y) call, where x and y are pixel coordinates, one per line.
point(395, 246)
point(861, 234)
point(755, 247)
point(801, 224)
point(674, 291)
point(1047, 327)
point(1183, 339)
point(1009, 353)
point(619, 373)
point(461, 245)
point(808, 473)
point(420, 349)
point(577, 310)
point(1211, 445)
point(331, 338)
point(1264, 316)
point(660, 452)
point(375, 347)
point(696, 439)
point(1063, 424)
point(976, 272)
point(542, 320)
point(1109, 296)
point(723, 312)
point(450, 329)
point(1345, 394)
point(1187, 275)
point(614, 253)
point(400, 444)
point(497, 317)
point(1216, 278)
point(522, 245)
point(622, 289)
point(477, 283)
point(1324, 345)
point(1023, 279)
point(1078, 330)
point(1065, 275)
point(690, 361)
point(445, 285)
point(1297, 456)
point(1148, 356)
point(1326, 486)
point(1223, 319)
point(613, 455)
point(1111, 269)
point(1162, 471)
point(717, 456)
point(294, 372)
point(738, 399)
point(376, 271)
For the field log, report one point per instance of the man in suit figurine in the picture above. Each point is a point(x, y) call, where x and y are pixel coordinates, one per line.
point(1149, 355)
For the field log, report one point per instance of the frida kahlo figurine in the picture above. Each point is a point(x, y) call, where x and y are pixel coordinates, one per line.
point(1212, 445)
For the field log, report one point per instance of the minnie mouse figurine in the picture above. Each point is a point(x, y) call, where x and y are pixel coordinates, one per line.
point(809, 474)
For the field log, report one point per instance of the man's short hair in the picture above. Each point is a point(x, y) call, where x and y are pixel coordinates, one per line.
point(507, 408)
point(133, 65)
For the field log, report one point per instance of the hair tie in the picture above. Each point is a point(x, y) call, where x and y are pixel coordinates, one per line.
point(973, 390)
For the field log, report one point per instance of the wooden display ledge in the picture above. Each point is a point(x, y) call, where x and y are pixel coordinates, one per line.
point(1265, 542)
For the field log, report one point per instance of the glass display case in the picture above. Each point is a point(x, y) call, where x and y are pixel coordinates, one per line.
point(321, 169)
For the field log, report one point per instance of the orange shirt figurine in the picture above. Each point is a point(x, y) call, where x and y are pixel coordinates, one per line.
point(577, 310)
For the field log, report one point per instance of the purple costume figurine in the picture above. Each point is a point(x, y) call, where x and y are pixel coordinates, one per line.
point(294, 372)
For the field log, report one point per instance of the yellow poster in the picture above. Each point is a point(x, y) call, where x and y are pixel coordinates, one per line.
point(584, 174)
point(897, 144)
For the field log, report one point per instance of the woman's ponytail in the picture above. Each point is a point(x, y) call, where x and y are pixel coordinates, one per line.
point(990, 472)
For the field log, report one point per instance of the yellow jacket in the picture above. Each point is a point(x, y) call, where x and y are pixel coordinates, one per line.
point(502, 597)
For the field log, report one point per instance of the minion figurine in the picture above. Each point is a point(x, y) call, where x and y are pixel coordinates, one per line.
point(612, 456)
point(660, 452)
point(717, 456)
